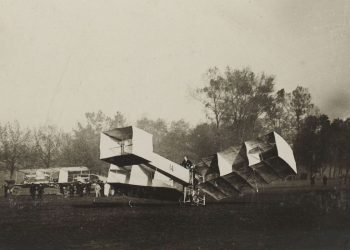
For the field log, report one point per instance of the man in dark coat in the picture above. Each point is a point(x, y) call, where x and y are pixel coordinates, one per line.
point(32, 191)
point(6, 188)
point(186, 163)
point(325, 179)
point(71, 190)
point(40, 191)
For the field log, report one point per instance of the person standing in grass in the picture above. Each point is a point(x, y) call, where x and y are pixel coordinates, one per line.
point(32, 191)
point(312, 180)
point(325, 179)
point(97, 190)
point(6, 188)
point(106, 189)
point(40, 191)
point(71, 190)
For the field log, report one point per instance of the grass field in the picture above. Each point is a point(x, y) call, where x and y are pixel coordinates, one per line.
point(79, 223)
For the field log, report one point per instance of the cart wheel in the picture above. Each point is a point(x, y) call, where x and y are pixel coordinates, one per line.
point(15, 190)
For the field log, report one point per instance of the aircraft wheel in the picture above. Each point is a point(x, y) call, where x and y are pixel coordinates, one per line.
point(130, 203)
point(195, 200)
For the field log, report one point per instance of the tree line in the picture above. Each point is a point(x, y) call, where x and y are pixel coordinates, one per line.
point(48, 146)
point(239, 105)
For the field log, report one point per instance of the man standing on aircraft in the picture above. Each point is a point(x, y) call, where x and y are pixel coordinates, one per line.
point(186, 163)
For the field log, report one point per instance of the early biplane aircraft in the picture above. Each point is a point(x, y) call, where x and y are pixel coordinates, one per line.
point(136, 170)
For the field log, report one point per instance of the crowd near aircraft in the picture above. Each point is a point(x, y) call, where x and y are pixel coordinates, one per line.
point(137, 171)
point(66, 179)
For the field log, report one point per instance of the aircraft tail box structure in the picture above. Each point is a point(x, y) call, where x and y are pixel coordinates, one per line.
point(130, 151)
point(126, 146)
point(256, 162)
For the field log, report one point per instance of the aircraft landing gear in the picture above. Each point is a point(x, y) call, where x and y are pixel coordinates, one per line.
point(192, 196)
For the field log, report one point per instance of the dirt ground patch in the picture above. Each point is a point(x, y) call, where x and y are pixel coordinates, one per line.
point(58, 223)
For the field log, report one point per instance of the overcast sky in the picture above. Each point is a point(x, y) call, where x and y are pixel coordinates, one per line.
point(60, 59)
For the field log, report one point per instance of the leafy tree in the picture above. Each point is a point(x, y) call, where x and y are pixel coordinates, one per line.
point(301, 104)
point(238, 100)
point(277, 110)
point(157, 128)
point(213, 98)
point(67, 156)
point(86, 146)
point(248, 97)
point(118, 120)
point(312, 144)
point(82, 146)
point(99, 121)
point(202, 141)
point(340, 145)
point(176, 144)
point(280, 117)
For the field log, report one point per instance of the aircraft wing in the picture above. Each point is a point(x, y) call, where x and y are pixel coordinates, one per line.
point(256, 162)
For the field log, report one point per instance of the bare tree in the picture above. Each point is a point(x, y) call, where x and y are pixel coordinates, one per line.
point(47, 145)
point(98, 121)
point(213, 96)
point(13, 146)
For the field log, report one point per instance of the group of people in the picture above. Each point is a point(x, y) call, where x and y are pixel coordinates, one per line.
point(103, 189)
point(313, 179)
point(81, 189)
point(7, 190)
point(77, 188)
point(36, 191)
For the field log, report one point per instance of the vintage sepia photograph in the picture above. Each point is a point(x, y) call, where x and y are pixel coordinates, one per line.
point(174, 124)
